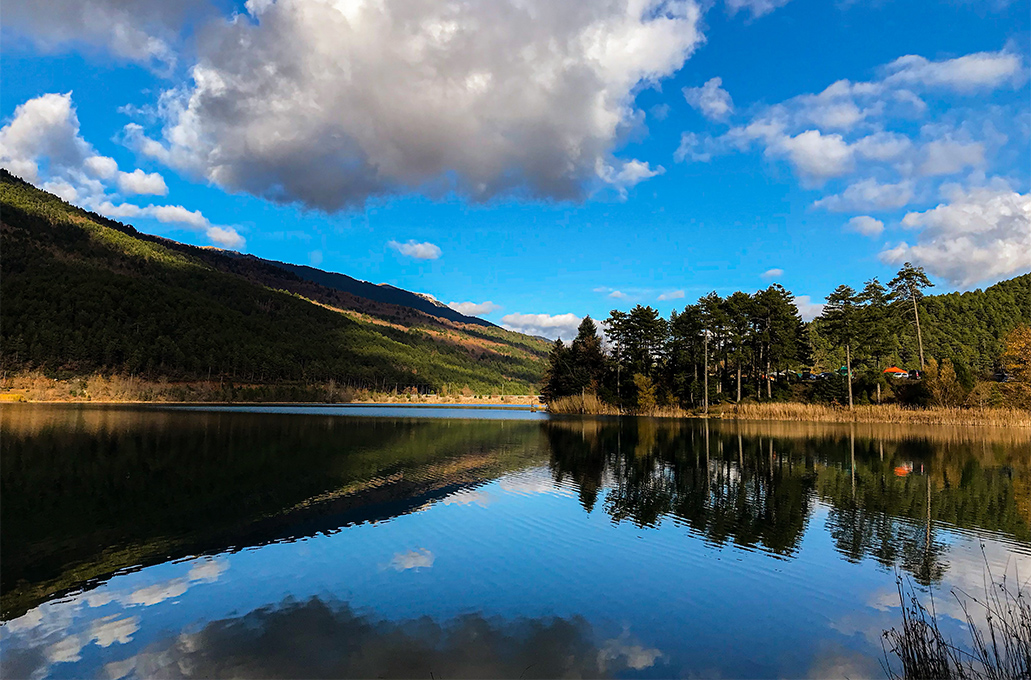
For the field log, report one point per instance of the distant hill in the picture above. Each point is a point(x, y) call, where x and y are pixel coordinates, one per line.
point(82, 293)
point(382, 292)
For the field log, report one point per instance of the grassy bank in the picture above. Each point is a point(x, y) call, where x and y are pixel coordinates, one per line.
point(589, 404)
point(37, 387)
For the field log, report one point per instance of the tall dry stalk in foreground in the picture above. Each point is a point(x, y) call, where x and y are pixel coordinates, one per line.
point(999, 650)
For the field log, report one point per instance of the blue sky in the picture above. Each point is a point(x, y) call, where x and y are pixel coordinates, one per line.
point(553, 162)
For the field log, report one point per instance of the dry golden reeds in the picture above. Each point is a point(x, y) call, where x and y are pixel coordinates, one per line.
point(882, 413)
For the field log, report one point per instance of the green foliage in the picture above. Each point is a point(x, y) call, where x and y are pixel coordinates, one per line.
point(82, 294)
point(762, 339)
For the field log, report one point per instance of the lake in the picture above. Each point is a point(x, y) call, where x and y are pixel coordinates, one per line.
point(338, 541)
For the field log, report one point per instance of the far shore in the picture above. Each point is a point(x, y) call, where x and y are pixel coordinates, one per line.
point(769, 412)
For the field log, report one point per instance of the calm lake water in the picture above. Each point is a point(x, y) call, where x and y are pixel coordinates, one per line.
point(391, 542)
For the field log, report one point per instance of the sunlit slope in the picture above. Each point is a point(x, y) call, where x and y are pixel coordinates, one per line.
point(81, 293)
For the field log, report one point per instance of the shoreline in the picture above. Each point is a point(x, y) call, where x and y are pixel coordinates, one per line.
point(775, 412)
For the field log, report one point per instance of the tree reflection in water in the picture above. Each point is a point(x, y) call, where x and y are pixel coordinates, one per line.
point(757, 491)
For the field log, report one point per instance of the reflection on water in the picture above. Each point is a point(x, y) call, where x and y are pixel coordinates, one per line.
point(316, 542)
point(316, 639)
point(886, 499)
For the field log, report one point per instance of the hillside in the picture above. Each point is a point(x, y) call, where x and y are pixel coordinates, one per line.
point(81, 293)
point(970, 327)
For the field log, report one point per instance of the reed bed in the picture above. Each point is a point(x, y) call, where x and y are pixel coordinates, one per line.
point(582, 404)
point(883, 413)
point(590, 404)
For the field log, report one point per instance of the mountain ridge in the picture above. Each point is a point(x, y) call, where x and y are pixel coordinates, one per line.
point(83, 293)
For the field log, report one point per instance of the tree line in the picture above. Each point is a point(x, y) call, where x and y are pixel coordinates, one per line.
point(757, 347)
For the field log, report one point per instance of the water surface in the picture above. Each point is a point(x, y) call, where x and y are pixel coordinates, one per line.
point(390, 542)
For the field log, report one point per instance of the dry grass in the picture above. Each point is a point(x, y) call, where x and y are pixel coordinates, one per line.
point(884, 413)
point(586, 404)
point(98, 388)
point(590, 404)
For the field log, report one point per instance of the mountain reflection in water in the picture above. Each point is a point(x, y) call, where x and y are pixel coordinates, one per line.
point(517, 531)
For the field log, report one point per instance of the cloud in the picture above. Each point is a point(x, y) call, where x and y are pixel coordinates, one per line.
point(808, 309)
point(418, 251)
point(865, 225)
point(981, 234)
point(175, 214)
point(62, 190)
point(947, 157)
point(101, 167)
point(142, 31)
point(544, 325)
point(712, 100)
point(139, 182)
point(480, 98)
point(630, 174)
point(474, 308)
point(883, 146)
point(847, 127)
point(691, 149)
point(757, 7)
point(772, 273)
point(413, 559)
point(42, 144)
point(972, 72)
point(659, 111)
point(618, 295)
point(816, 156)
point(870, 195)
point(671, 295)
point(44, 128)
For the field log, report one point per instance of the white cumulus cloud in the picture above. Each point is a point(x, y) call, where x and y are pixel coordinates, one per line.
point(545, 325)
point(847, 128)
point(226, 237)
point(948, 156)
point(671, 295)
point(772, 273)
point(139, 182)
point(474, 308)
point(330, 103)
point(416, 250)
point(711, 99)
point(980, 234)
point(808, 309)
point(980, 71)
point(43, 145)
point(816, 156)
point(865, 225)
point(44, 128)
point(869, 194)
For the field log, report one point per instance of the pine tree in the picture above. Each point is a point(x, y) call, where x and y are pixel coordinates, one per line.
point(841, 317)
point(906, 287)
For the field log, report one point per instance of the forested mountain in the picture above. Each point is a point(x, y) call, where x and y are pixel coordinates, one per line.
point(81, 293)
point(382, 293)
